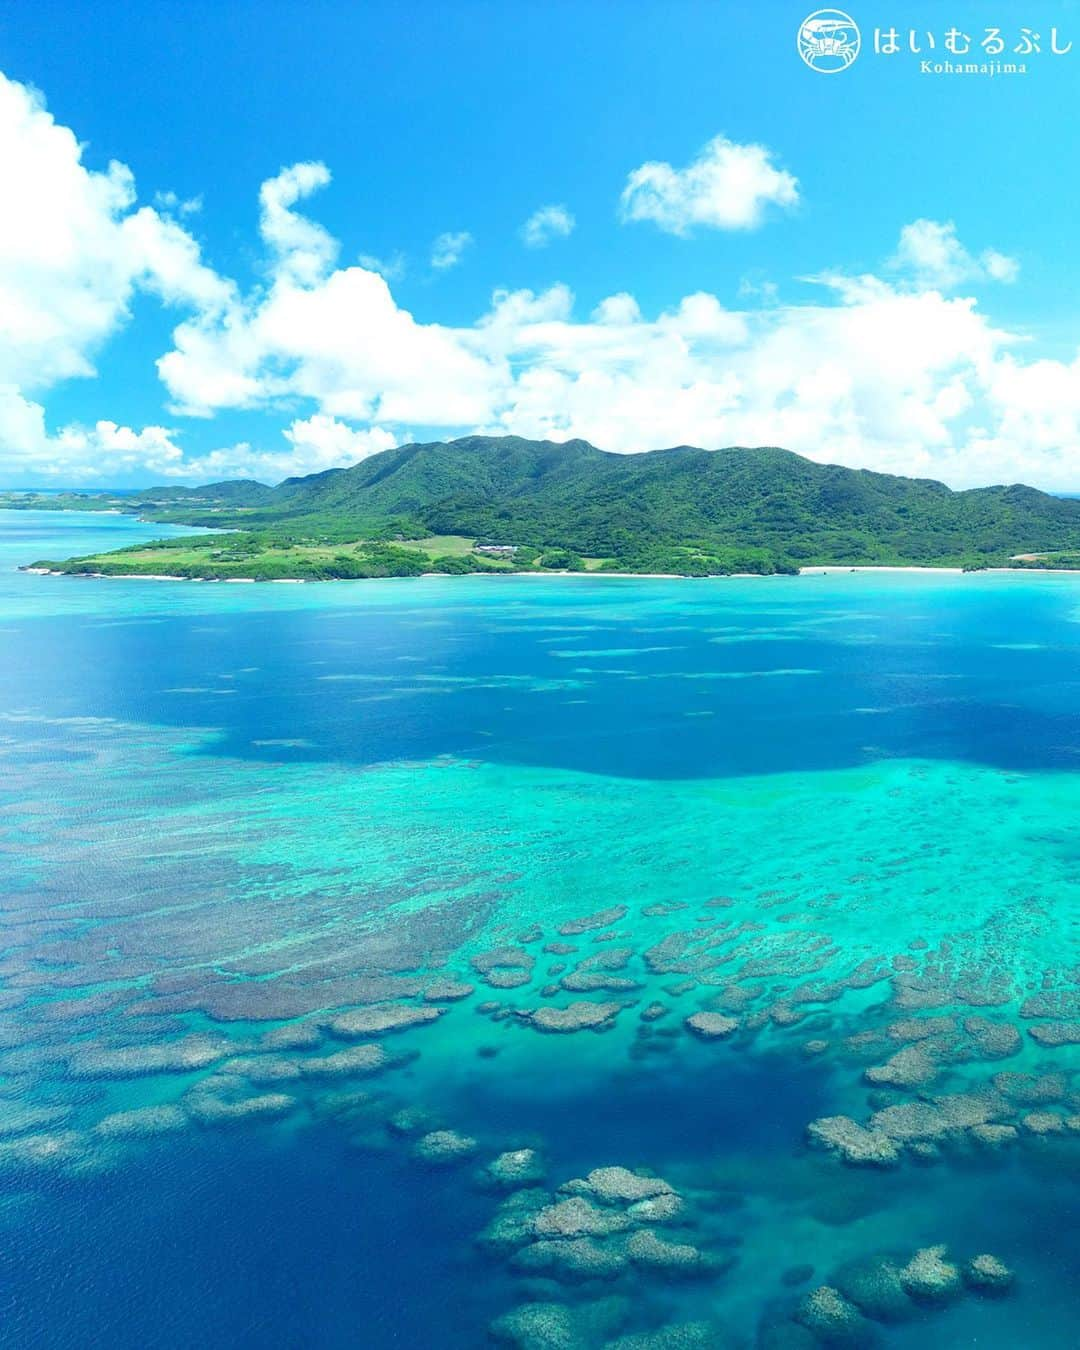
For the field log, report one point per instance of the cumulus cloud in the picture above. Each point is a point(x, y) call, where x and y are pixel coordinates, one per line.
point(546, 224)
point(893, 371)
point(392, 268)
point(103, 453)
point(304, 249)
point(312, 444)
point(448, 249)
point(174, 205)
point(891, 374)
point(74, 251)
point(727, 187)
point(931, 252)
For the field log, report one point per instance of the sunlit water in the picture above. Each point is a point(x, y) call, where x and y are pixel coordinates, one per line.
point(230, 814)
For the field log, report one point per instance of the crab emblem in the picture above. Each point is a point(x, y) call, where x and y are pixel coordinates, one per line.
point(829, 40)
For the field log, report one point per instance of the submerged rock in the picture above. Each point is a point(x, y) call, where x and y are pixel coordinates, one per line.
point(597, 981)
point(987, 1274)
point(580, 1258)
point(557, 1326)
point(654, 1253)
point(930, 1276)
point(874, 1285)
point(22, 1118)
point(580, 1016)
point(993, 1136)
point(711, 1026)
point(578, 1217)
point(1051, 1035)
point(1042, 1123)
point(913, 1120)
point(828, 1315)
point(912, 1029)
point(141, 1122)
point(964, 1109)
point(346, 1105)
point(44, 1150)
point(910, 1067)
point(357, 1059)
point(263, 1068)
point(658, 1209)
point(133, 1061)
point(381, 1018)
point(618, 1185)
point(601, 919)
point(652, 1012)
point(444, 1147)
point(853, 1142)
point(292, 1036)
point(411, 1120)
point(518, 1167)
point(1031, 1089)
point(512, 1223)
point(211, 1107)
point(447, 991)
point(993, 1040)
point(504, 967)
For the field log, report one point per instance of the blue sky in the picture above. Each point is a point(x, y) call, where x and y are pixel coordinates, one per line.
point(950, 349)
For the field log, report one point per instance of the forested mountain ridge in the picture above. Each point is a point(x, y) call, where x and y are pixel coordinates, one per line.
point(680, 509)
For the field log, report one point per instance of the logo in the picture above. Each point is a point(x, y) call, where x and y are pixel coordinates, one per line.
point(829, 40)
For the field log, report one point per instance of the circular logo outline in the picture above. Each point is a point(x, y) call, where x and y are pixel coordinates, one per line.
point(809, 57)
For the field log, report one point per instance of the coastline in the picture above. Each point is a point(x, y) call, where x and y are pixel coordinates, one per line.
point(828, 569)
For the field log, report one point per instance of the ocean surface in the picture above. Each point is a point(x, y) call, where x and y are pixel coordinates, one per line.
point(303, 889)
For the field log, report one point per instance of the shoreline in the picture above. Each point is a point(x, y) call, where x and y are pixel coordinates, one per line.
point(827, 569)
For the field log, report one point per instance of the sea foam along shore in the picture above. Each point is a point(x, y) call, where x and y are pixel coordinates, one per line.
point(830, 568)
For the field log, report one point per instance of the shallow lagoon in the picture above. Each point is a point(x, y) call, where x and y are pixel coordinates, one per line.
point(839, 810)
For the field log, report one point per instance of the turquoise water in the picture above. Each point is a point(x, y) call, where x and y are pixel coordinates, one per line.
point(838, 811)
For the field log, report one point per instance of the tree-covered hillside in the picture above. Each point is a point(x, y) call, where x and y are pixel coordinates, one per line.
point(682, 509)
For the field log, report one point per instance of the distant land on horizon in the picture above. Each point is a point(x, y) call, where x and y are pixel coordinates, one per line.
point(504, 504)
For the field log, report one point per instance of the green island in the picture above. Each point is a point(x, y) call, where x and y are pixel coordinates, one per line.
point(504, 504)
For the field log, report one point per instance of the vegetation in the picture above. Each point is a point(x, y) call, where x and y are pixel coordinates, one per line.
point(572, 507)
point(269, 557)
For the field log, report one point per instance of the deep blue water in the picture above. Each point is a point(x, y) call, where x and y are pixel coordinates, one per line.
point(472, 653)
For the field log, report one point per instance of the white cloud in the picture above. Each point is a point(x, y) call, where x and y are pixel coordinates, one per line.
point(767, 292)
point(620, 308)
point(342, 342)
point(304, 250)
point(73, 251)
point(322, 442)
point(930, 252)
point(892, 375)
point(173, 205)
point(315, 443)
point(727, 187)
point(448, 249)
point(103, 453)
point(546, 224)
point(392, 268)
point(897, 374)
point(998, 266)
